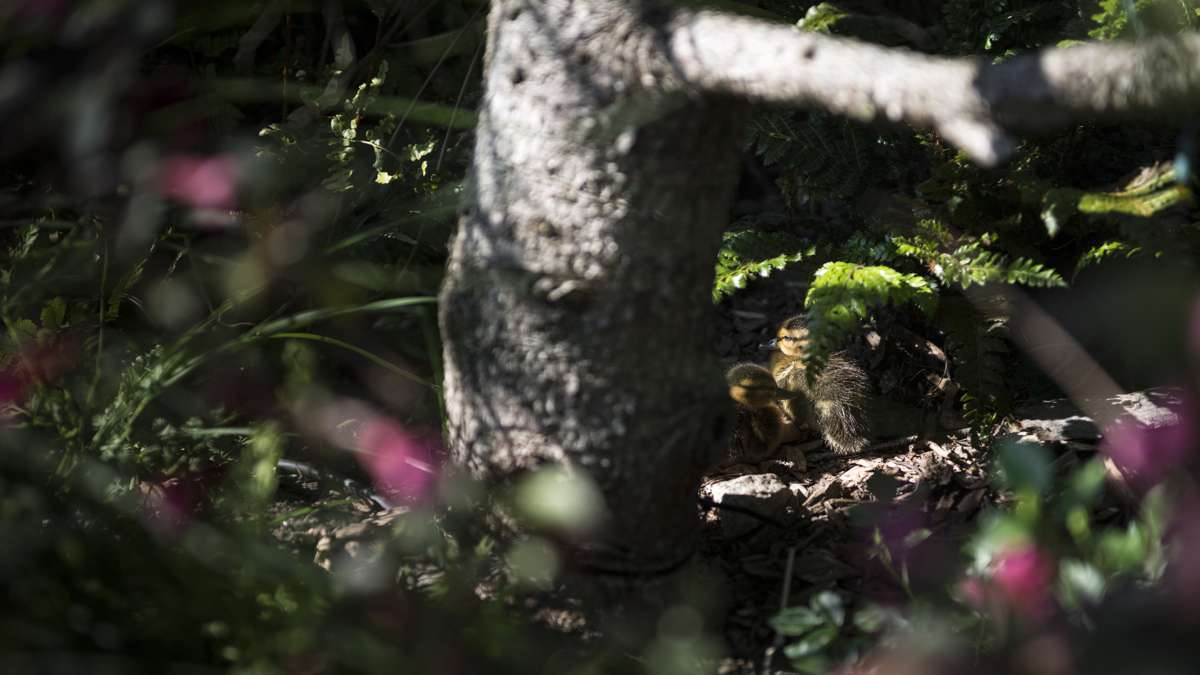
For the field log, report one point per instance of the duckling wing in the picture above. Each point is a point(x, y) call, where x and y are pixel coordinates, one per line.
point(839, 397)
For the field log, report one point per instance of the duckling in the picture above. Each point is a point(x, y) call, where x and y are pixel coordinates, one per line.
point(762, 423)
point(834, 402)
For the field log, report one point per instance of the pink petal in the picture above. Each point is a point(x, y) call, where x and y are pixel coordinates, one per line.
point(43, 8)
point(12, 388)
point(973, 592)
point(172, 504)
point(1023, 575)
point(200, 182)
point(1147, 455)
point(400, 463)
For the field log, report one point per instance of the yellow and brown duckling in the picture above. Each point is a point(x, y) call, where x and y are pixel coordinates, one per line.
point(834, 402)
point(763, 423)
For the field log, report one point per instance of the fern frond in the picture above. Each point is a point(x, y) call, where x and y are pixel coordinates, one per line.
point(1143, 205)
point(977, 344)
point(1101, 252)
point(751, 254)
point(1154, 189)
point(821, 156)
point(972, 265)
point(1168, 16)
point(843, 294)
point(1029, 273)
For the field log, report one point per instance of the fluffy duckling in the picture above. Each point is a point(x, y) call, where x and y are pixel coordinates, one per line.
point(834, 402)
point(763, 423)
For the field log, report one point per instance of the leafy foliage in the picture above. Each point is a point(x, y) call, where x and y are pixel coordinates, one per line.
point(873, 197)
point(1119, 18)
point(977, 341)
point(750, 254)
point(160, 326)
point(1002, 27)
point(1109, 249)
point(822, 157)
point(843, 294)
point(215, 292)
point(1153, 190)
point(969, 264)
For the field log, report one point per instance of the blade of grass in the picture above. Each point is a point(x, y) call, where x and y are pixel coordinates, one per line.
point(428, 213)
point(251, 90)
point(433, 347)
point(306, 510)
point(373, 358)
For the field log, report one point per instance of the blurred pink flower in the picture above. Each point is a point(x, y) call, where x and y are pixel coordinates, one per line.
point(1146, 455)
point(12, 392)
point(37, 364)
point(1020, 582)
point(400, 463)
point(12, 387)
point(972, 591)
point(42, 8)
point(1023, 576)
point(171, 504)
point(200, 182)
point(54, 358)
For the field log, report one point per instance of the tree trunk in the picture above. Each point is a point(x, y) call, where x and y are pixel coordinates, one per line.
point(576, 312)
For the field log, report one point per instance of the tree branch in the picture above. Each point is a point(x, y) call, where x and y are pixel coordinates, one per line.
point(970, 102)
point(345, 55)
point(243, 60)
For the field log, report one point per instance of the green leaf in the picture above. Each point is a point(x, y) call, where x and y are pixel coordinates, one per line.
point(1024, 466)
point(812, 643)
point(750, 254)
point(1154, 189)
point(917, 536)
point(795, 621)
point(1105, 251)
point(1143, 205)
point(820, 18)
point(1085, 483)
point(829, 605)
point(256, 468)
point(1080, 583)
point(810, 665)
point(25, 332)
point(875, 618)
point(970, 264)
point(1057, 206)
point(1156, 511)
point(842, 294)
point(1028, 273)
point(999, 531)
point(1155, 516)
point(54, 313)
point(1123, 550)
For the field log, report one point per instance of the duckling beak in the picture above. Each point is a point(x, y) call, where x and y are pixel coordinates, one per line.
point(769, 345)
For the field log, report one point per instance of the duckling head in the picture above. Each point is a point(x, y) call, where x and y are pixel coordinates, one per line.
point(752, 385)
point(792, 339)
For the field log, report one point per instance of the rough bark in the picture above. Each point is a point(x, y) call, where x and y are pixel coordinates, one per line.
point(577, 315)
